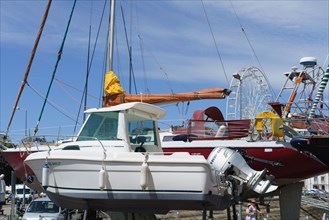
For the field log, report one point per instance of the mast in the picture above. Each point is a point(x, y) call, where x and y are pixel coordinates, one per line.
point(110, 39)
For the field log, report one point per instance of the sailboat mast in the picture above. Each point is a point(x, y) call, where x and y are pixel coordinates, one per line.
point(110, 40)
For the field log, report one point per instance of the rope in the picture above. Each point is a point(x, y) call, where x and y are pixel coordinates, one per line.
point(60, 52)
point(36, 43)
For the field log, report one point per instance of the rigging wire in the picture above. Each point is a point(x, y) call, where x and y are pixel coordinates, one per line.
point(90, 60)
point(88, 63)
point(60, 82)
point(131, 69)
point(213, 37)
point(56, 65)
point(142, 52)
point(36, 43)
point(142, 46)
point(71, 96)
point(252, 49)
point(84, 94)
point(163, 71)
point(167, 79)
point(55, 106)
point(101, 87)
point(141, 43)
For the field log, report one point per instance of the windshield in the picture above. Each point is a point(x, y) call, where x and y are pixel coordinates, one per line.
point(100, 126)
point(43, 207)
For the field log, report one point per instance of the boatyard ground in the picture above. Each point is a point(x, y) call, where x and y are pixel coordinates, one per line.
point(311, 208)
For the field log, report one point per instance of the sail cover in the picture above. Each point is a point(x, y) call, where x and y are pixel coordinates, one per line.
point(112, 84)
point(115, 94)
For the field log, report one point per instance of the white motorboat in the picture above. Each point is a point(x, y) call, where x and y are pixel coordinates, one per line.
point(116, 163)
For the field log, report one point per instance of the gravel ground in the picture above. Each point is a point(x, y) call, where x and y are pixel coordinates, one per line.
point(308, 211)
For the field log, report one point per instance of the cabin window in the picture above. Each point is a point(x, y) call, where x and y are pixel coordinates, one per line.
point(140, 129)
point(72, 147)
point(100, 126)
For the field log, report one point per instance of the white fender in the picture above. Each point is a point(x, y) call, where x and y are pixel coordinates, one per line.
point(101, 180)
point(45, 175)
point(144, 175)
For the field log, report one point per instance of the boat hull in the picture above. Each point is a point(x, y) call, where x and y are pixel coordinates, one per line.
point(175, 181)
point(155, 202)
point(317, 145)
point(15, 159)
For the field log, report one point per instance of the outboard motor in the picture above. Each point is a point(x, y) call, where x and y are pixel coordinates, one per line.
point(231, 165)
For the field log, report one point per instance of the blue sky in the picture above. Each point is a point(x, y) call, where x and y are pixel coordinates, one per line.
point(172, 44)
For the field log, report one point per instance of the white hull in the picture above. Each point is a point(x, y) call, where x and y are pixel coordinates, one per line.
point(125, 169)
point(151, 203)
point(177, 181)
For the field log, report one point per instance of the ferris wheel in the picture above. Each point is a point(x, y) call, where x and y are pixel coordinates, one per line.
point(250, 93)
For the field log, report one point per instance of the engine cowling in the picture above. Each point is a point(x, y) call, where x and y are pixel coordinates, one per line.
point(230, 164)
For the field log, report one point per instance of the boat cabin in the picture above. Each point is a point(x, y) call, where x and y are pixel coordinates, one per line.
point(132, 126)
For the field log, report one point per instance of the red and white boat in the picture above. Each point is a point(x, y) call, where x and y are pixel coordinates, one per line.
point(271, 141)
point(271, 150)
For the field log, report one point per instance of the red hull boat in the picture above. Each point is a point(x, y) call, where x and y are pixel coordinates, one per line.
point(15, 158)
point(268, 150)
